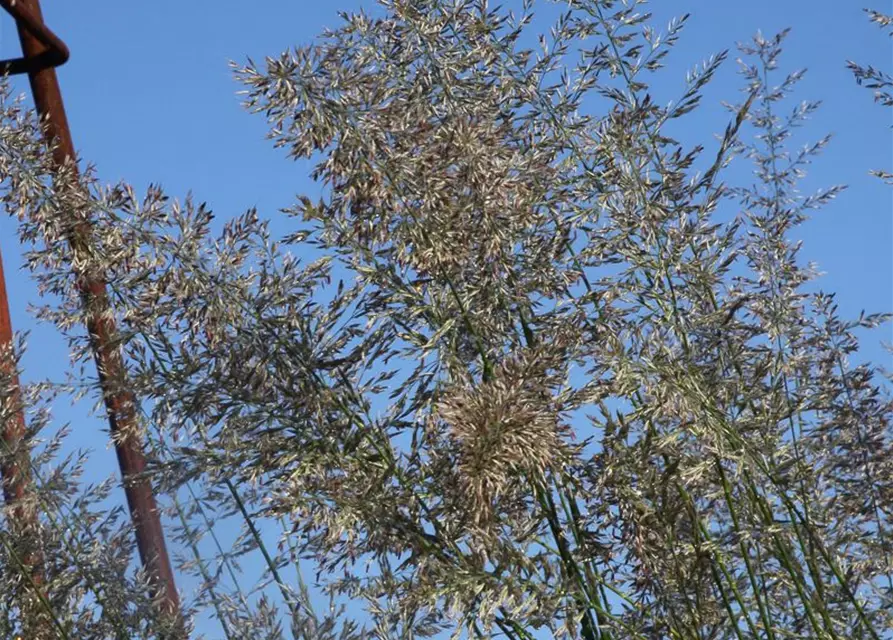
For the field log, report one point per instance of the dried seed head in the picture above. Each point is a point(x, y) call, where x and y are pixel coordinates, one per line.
point(507, 433)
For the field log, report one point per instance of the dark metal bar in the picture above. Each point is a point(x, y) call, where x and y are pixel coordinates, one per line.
point(55, 53)
point(42, 51)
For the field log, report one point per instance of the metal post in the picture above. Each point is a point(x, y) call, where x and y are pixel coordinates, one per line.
point(43, 51)
point(15, 471)
point(14, 477)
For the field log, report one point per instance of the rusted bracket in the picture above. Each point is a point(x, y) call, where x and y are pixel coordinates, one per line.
point(56, 53)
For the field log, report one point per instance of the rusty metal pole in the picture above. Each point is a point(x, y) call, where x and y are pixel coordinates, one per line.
point(42, 51)
point(15, 471)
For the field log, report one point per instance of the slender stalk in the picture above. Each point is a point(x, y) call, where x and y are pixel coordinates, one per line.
point(203, 569)
point(745, 551)
point(35, 588)
point(702, 529)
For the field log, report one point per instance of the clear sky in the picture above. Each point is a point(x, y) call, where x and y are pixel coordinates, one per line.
point(150, 98)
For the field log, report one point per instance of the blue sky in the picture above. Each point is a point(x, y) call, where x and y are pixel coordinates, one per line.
point(150, 98)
